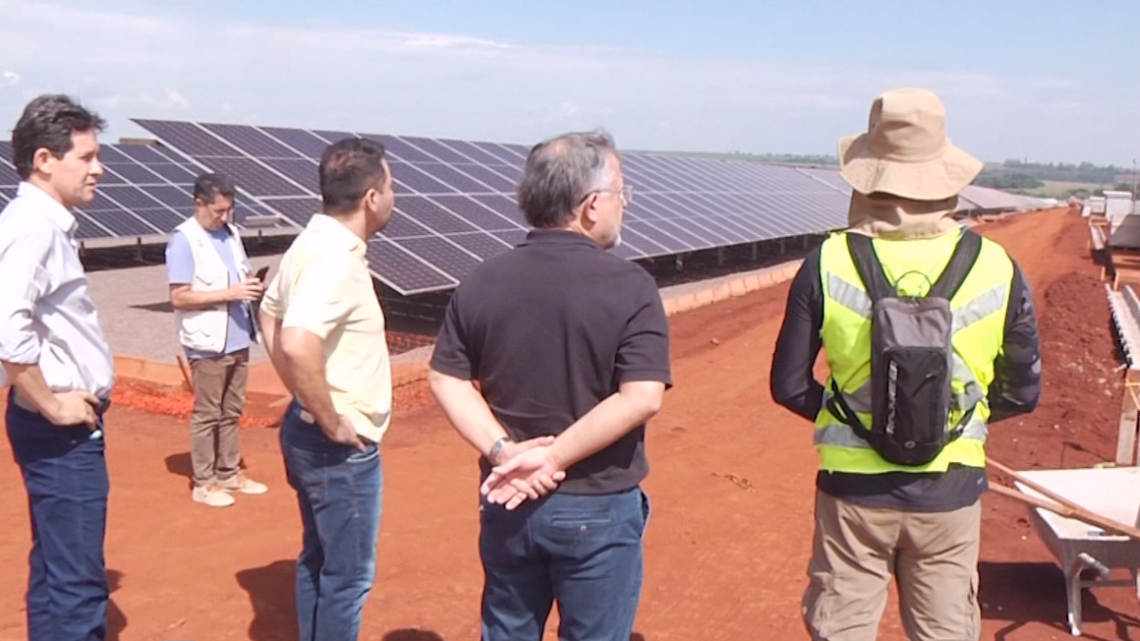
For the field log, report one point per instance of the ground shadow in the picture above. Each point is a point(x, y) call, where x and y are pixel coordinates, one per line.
point(412, 634)
point(272, 594)
point(179, 465)
point(1035, 593)
point(116, 620)
point(163, 307)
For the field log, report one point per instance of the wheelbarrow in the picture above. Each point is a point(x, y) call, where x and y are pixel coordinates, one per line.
point(1087, 518)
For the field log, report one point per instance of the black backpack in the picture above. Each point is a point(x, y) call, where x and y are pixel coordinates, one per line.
point(911, 359)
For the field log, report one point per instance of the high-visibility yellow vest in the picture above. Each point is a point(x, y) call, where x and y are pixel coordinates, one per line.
point(979, 311)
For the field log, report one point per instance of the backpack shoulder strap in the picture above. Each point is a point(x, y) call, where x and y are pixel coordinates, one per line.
point(961, 262)
point(870, 270)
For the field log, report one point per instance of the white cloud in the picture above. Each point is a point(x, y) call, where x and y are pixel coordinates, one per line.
point(143, 63)
point(175, 99)
point(447, 41)
point(9, 78)
point(67, 17)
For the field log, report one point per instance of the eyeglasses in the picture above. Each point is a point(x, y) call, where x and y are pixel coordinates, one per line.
point(626, 193)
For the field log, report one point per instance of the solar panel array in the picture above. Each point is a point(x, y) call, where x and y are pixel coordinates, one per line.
point(971, 198)
point(455, 205)
point(145, 191)
point(829, 177)
point(9, 179)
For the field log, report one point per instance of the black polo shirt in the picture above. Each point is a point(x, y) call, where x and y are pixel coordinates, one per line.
point(550, 329)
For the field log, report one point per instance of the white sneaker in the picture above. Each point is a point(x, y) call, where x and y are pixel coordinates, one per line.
point(212, 495)
point(242, 483)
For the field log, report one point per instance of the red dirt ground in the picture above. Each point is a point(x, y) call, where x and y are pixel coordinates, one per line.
point(731, 487)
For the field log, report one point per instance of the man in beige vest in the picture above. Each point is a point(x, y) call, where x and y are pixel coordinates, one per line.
point(211, 290)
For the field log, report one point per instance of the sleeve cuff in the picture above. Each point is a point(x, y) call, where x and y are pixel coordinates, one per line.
point(320, 330)
point(638, 375)
point(450, 369)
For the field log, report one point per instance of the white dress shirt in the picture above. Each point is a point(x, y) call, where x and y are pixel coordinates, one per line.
point(46, 315)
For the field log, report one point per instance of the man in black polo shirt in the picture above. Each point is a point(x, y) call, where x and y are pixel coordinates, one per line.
point(570, 347)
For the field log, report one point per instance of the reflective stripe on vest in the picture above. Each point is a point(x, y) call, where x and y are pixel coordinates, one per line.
point(860, 399)
point(841, 434)
point(859, 302)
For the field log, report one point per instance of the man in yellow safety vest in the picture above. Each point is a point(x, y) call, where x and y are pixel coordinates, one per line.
point(900, 425)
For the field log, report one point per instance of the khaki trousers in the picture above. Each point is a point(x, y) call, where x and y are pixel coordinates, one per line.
point(219, 398)
point(932, 556)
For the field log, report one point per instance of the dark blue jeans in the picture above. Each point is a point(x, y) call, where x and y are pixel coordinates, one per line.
point(65, 475)
point(585, 552)
point(339, 490)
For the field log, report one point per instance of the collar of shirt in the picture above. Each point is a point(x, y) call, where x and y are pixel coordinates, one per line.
point(559, 237)
point(56, 212)
point(336, 234)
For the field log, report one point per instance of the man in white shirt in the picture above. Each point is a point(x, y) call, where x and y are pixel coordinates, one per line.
point(211, 289)
point(60, 369)
point(324, 331)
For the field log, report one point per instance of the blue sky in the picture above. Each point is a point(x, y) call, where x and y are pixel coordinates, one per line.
point(1045, 80)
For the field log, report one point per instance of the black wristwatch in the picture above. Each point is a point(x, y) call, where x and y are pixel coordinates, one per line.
point(497, 447)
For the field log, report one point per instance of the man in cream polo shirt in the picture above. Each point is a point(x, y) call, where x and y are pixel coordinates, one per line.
point(211, 290)
point(324, 331)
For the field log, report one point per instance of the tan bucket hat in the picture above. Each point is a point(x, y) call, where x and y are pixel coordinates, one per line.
point(906, 151)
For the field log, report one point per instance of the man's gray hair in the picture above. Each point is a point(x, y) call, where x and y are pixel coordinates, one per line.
point(560, 173)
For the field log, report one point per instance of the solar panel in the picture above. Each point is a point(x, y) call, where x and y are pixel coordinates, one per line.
point(310, 145)
point(480, 244)
point(300, 170)
point(255, 177)
point(298, 210)
point(145, 190)
point(512, 237)
point(440, 251)
point(134, 198)
point(9, 179)
point(455, 204)
point(252, 141)
point(404, 271)
point(829, 177)
point(8, 175)
point(435, 217)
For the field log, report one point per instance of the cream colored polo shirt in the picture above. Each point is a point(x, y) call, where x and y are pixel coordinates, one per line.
point(323, 286)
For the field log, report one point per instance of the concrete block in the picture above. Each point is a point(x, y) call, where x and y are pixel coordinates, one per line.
point(147, 370)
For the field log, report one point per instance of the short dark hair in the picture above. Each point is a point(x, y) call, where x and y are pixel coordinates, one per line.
point(560, 172)
point(207, 187)
point(349, 168)
point(48, 122)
